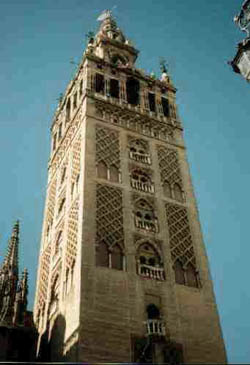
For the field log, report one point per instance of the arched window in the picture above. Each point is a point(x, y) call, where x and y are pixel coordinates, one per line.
point(138, 151)
point(63, 175)
point(117, 258)
point(102, 170)
point(179, 273)
point(149, 263)
point(61, 205)
point(102, 255)
point(178, 192)
point(68, 107)
point(144, 216)
point(167, 189)
point(153, 312)
point(114, 173)
point(191, 276)
point(141, 180)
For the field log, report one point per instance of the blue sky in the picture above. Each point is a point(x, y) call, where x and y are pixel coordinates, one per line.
point(197, 37)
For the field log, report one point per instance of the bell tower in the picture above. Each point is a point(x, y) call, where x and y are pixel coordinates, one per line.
point(123, 274)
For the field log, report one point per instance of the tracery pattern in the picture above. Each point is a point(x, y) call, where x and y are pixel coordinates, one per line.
point(44, 275)
point(76, 159)
point(71, 248)
point(181, 244)
point(169, 165)
point(51, 200)
point(66, 141)
point(109, 216)
point(134, 121)
point(107, 147)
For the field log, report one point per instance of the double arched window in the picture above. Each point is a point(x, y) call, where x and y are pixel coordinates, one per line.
point(138, 151)
point(106, 172)
point(149, 263)
point(145, 217)
point(185, 275)
point(173, 191)
point(141, 180)
point(111, 257)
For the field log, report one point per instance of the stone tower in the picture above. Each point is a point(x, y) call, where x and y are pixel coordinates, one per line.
point(123, 274)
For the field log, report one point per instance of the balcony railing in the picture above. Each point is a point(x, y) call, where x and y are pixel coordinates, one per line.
point(148, 226)
point(155, 327)
point(138, 185)
point(152, 272)
point(140, 157)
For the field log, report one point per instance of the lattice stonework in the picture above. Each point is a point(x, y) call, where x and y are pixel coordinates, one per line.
point(44, 275)
point(51, 200)
point(76, 159)
point(109, 215)
point(107, 147)
point(169, 166)
point(71, 250)
point(181, 244)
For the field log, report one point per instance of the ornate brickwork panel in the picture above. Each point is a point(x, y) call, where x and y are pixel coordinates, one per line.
point(44, 275)
point(169, 166)
point(109, 216)
point(66, 141)
point(181, 244)
point(71, 249)
point(135, 122)
point(76, 159)
point(51, 201)
point(107, 147)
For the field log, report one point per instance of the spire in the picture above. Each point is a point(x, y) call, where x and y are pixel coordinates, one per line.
point(11, 260)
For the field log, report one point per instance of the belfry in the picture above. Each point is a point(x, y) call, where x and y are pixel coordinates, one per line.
point(123, 273)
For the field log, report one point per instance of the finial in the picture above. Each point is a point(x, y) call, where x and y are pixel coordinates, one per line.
point(104, 15)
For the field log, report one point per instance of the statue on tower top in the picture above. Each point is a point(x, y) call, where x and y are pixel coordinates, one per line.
point(243, 18)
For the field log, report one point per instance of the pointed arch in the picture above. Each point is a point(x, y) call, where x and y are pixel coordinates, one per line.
point(179, 273)
point(102, 170)
point(178, 192)
point(114, 173)
point(102, 255)
point(191, 276)
point(116, 258)
point(167, 189)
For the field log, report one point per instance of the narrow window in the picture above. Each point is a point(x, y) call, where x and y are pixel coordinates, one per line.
point(191, 276)
point(167, 189)
point(54, 142)
point(68, 111)
point(132, 87)
point(102, 255)
point(75, 100)
point(102, 171)
point(114, 88)
point(81, 87)
point(151, 100)
point(114, 174)
point(178, 192)
point(179, 273)
point(165, 106)
point(63, 175)
point(61, 206)
point(58, 242)
point(99, 83)
point(117, 258)
point(60, 131)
